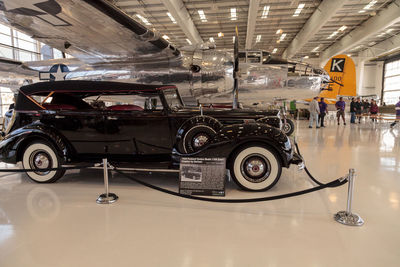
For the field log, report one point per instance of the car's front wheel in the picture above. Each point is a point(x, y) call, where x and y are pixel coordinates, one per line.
point(255, 168)
point(41, 155)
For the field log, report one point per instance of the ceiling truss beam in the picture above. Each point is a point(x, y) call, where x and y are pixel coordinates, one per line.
point(382, 20)
point(179, 12)
point(325, 11)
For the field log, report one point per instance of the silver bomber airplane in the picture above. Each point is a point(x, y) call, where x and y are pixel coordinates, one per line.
point(109, 45)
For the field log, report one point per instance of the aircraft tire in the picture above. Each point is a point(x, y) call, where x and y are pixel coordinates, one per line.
point(288, 127)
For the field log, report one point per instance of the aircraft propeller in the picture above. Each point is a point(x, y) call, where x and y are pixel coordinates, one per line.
point(236, 70)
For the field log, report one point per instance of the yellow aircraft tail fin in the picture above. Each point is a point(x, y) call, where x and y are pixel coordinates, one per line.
point(342, 71)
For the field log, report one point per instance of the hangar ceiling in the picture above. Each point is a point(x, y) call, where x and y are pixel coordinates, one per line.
point(290, 28)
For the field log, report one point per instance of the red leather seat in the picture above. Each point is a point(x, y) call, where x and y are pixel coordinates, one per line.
point(59, 107)
point(125, 107)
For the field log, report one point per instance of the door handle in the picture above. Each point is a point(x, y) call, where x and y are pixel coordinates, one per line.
point(59, 117)
point(113, 118)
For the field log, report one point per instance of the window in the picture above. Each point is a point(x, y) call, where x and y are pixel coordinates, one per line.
point(391, 88)
point(7, 98)
point(125, 102)
point(20, 46)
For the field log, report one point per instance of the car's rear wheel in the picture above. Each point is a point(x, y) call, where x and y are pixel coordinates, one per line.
point(255, 167)
point(41, 155)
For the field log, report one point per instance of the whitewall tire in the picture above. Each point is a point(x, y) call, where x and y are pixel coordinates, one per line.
point(255, 168)
point(40, 155)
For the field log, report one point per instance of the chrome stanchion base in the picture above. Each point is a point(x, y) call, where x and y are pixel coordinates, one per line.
point(350, 219)
point(107, 199)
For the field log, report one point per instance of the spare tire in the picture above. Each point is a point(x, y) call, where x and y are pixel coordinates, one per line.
point(197, 132)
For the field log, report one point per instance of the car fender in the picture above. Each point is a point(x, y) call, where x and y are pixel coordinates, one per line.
point(14, 143)
point(231, 137)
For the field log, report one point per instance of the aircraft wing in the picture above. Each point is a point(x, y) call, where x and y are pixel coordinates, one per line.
point(91, 30)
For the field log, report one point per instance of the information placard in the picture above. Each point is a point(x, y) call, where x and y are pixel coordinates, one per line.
point(202, 176)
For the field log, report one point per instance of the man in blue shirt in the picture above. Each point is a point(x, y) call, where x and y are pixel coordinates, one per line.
point(340, 106)
point(397, 108)
point(322, 110)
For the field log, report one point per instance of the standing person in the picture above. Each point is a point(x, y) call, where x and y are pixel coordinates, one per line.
point(352, 111)
point(366, 107)
point(358, 107)
point(314, 111)
point(373, 109)
point(340, 106)
point(397, 108)
point(322, 111)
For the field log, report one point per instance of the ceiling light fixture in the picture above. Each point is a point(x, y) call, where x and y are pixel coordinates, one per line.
point(274, 51)
point(305, 57)
point(279, 31)
point(171, 17)
point(233, 39)
point(298, 10)
point(265, 12)
point(188, 41)
point(282, 37)
point(344, 27)
point(220, 34)
point(258, 39)
point(202, 15)
point(143, 19)
point(233, 14)
point(212, 40)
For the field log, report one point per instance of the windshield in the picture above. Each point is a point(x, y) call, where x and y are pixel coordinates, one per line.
point(172, 98)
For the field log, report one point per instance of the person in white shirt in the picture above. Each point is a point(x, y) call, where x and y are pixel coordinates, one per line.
point(314, 112)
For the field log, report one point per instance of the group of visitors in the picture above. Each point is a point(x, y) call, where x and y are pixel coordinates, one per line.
point(357, 109)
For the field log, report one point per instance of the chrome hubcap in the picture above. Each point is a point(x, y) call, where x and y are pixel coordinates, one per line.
point(255, 168)
point(200, 140)
point(40, 160)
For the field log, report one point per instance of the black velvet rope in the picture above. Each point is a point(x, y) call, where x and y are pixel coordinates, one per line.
point(334, 183)
point(305, 168)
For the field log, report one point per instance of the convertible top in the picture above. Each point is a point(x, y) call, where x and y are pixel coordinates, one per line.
point(78, 86)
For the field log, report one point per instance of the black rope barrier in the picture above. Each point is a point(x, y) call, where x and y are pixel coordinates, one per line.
point(334, 183)
point(306, 170)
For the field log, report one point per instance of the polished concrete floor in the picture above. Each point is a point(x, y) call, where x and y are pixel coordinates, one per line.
point(61, 225)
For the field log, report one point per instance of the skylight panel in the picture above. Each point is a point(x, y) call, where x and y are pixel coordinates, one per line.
point(202, 15)
point(143, 19)
point(298, 10)
point(265, 12)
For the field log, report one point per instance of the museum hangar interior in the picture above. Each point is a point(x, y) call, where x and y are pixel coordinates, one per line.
point(199, 133)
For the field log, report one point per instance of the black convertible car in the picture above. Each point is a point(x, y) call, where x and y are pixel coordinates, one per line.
point(66, 122)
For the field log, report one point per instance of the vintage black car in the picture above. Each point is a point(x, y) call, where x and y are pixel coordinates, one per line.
point(68, 122)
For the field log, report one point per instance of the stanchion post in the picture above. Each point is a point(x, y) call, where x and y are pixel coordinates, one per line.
point(347, 217)
point(107, 197)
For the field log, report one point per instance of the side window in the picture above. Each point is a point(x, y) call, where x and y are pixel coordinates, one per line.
point(132, 102)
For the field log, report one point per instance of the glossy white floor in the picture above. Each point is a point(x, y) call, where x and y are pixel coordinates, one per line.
point(61, 224)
